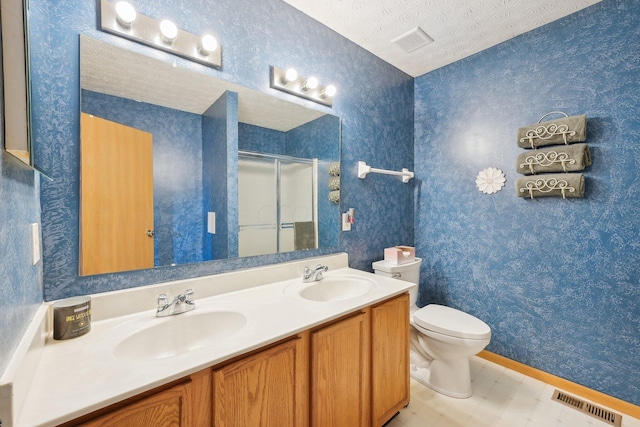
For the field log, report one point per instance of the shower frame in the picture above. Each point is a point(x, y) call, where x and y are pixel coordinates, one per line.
point(278, 159)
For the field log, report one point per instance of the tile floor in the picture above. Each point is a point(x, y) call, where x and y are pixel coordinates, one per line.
point(501, 398)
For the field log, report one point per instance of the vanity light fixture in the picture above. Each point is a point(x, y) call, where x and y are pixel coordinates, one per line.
point(169, 31)
point(310, 84)
point(329, 91)
point(208, 44)
point(309, 88)
point(125, 14)
point(290, 75)
point(122, 20)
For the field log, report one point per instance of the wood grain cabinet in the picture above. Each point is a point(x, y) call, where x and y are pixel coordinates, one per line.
point(389, 358)
point(264, 389)
point(353, 372)
point(167, 408)
point(340, 373)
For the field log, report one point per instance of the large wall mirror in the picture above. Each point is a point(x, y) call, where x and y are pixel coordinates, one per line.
point(180, 167)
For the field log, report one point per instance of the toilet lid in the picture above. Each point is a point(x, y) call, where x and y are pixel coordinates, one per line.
point(452, 322)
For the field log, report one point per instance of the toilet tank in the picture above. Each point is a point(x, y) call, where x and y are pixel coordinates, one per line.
point(409, 272)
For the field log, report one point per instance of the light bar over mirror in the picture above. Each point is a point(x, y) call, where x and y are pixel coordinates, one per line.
point(122, 19)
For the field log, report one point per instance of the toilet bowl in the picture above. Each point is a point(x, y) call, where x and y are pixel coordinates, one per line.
point(443, 339)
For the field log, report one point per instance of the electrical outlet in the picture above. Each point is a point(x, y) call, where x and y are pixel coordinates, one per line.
point(346, 224)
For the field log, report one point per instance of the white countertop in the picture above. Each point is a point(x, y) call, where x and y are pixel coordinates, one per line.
point(75, 377)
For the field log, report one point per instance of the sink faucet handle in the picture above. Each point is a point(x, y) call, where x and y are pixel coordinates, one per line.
point(315, 274)
point(189, 295)
point(319, 270)
point(163, 305)
point(162, 300)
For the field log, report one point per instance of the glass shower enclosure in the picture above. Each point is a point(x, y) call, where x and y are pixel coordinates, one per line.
point(277, 203)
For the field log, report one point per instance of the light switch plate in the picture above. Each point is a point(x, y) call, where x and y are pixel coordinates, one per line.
point(211, 222)
point(35, 243)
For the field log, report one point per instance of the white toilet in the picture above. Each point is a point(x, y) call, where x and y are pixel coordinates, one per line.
point(443, 339)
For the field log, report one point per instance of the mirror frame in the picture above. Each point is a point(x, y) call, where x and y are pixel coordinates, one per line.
point(15, 79)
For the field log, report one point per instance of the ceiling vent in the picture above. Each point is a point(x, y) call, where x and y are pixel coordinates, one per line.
point(413, 39)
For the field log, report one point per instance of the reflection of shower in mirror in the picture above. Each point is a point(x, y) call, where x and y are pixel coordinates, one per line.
point(277, 203)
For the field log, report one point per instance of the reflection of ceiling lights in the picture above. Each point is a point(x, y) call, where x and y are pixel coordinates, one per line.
point(310, 84)
point(122, 19)
point(309, 88)
point(329, 91)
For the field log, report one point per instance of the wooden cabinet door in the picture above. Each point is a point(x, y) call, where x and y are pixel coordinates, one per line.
point(168, 408)
point(262, 390)
point(390, 358)
point(340, 374)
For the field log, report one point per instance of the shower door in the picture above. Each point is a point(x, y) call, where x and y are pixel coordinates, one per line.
point(276, 204)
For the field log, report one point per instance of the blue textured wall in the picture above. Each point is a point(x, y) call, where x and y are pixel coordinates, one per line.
point(177, 156)
point(316, 140)
point(261, 140)
point(20, 282)
point(557, 280)
point(219, 145)
point(232, 175)
point(375, 102)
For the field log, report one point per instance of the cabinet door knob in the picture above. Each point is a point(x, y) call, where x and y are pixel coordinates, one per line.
point(150, 233)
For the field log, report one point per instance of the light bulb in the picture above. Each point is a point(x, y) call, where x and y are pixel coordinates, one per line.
point(290, 75)
point(169, 31)
point(125, 14)
point(311, 83)
point(329, 91)
point(207, 44)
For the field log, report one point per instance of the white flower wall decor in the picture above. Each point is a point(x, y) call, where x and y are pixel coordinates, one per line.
point(490, 180)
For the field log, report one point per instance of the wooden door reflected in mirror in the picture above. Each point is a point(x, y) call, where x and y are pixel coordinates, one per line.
point(116, 187)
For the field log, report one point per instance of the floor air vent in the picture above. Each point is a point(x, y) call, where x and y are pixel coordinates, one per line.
point(588, 408)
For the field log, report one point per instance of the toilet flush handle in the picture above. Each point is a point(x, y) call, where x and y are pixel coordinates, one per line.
point(397, 276)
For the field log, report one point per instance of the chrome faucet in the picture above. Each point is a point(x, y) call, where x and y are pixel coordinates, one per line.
point(180, 304)
point(315, 274)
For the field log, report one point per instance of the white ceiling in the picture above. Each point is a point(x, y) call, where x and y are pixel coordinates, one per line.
point(149, 80)
point(459, 28)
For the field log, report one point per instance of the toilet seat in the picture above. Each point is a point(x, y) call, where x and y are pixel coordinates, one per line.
point(451, 322)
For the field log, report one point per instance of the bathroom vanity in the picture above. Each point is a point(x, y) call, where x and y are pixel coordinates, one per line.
point(351, 371)
point(285, 353)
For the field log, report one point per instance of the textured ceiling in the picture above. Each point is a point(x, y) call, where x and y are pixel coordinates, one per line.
point(459, 28)
point(149, 80)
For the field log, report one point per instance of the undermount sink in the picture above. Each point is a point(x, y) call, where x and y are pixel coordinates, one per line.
point(336, 288)
point(179, 334)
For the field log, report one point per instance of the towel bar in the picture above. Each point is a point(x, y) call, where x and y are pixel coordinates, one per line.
point(364, 169)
